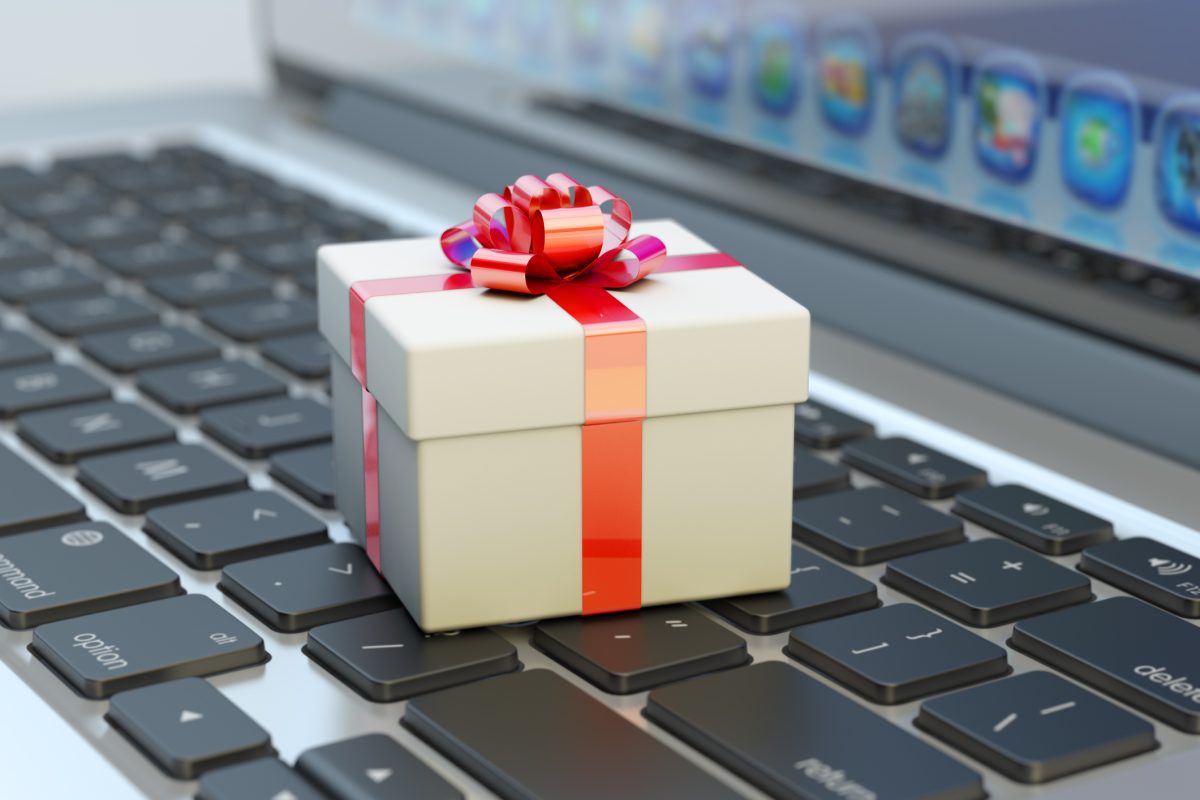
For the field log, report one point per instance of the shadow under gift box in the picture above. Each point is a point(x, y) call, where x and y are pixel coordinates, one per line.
point(480, 403)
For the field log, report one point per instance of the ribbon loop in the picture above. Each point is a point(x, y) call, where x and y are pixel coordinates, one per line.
point(541, 233)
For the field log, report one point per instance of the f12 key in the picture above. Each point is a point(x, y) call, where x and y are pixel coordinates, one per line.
point(913, 467)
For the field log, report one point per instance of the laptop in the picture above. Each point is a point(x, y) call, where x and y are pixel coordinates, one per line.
point(989, 209)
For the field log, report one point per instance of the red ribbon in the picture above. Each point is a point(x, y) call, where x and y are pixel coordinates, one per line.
point(571, 243)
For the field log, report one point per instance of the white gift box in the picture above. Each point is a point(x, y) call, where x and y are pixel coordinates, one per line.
point(480, 402)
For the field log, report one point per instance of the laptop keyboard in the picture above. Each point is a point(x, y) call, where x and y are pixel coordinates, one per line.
point(149, 294)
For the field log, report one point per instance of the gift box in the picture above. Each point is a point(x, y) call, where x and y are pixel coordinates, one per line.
point(545, 435)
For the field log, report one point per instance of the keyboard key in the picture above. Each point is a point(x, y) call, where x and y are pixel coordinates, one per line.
point(372, 767)
point(75, 569)
point(812, 475)
point(262, 427)
point(187, 727)
point(306, 281)
point(45, 281)
point(18, 349)
point(822, 427)
point(106, 229)
point(1137, 653)
point(188, 388)
point(260, 319)
point(913, 467)
point(633, 651)
point(75, 317)
point(297, 590)
point(819, 590)
point(896, 653)
point(112, 651)
point(863, 526)
point(350, 223)
point(987, 582)
point(385, 657)
point(795, 737)
point(1033, 519)
point(288, 256)
point(264, 779)
point(65, 435)
point(215, 531)
point(157, 258)
point(148, 178)
point(197, 289)
point(100, 163)
point(28, 499)
point(1036, 727)
point(18, 253)
point(1147, 569)
point(41, 386)
point(197, 200)
point(305, 355)
point(249, 226)
point(308, 472)
point(15, 177)
point(48, 203)
point(135, 480)
point(145, 347)
point(532, 734)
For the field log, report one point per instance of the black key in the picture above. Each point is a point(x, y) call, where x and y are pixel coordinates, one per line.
point(259, 319)
point(385, 657)
point(288, 256)
point(67, 434)
point(148, 178)
point(249, 226)
point(75, 569)
point(795, 737)
point(187, 727)
point(28, 499)
point(634, 651)
point(987, 582)
point(101, 163)
point(215, 531)
point(17, 177)
point(351, 223)
point(913, 467)
point(818, 425)
point(532, 734)
point(106, 230)
point(812, 475)
point(819, 590)
point(190, 387)
point(60, 202)
point(18, 349)
point(297, 590)
point(158, 258)
point(39, 386)
point(134, 480)
point(308, 472)
point(1033, 519)
point(102, 312)
point(263, 427)
point(197, 289)
point(1036, 727)
point(306, 281)
point(896, 653)
point(264, 779)
point(112, 651)
point(1139, 654)
point(305, 355)
point(197, 200)
point(372, 767)
point(863, 526)
point(45, 281)
point(1154, 572)
point(18, 253)
point(145, 347)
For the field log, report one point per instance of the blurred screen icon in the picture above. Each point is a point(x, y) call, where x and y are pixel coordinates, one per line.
point(1008, 118)
point(776, 54)
point(1177, 172)
point(846, 56)
point(646, 38)
point(1098, 125)
point(586, 21)
point(925, 90)
point(708, 45)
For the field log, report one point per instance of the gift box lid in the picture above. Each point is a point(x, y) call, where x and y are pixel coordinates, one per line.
point(472, 361)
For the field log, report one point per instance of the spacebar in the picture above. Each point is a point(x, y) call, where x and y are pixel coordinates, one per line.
point(533, 735)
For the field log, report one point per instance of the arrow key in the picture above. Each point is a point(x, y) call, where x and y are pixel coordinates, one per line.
point(260, 428)
point(372, 767)
point(215, 531)
point(264, 779)
point(295, 591)
point(913, 467)
point(187, 726)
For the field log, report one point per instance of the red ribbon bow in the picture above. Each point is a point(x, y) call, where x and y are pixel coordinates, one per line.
point(542, 233)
